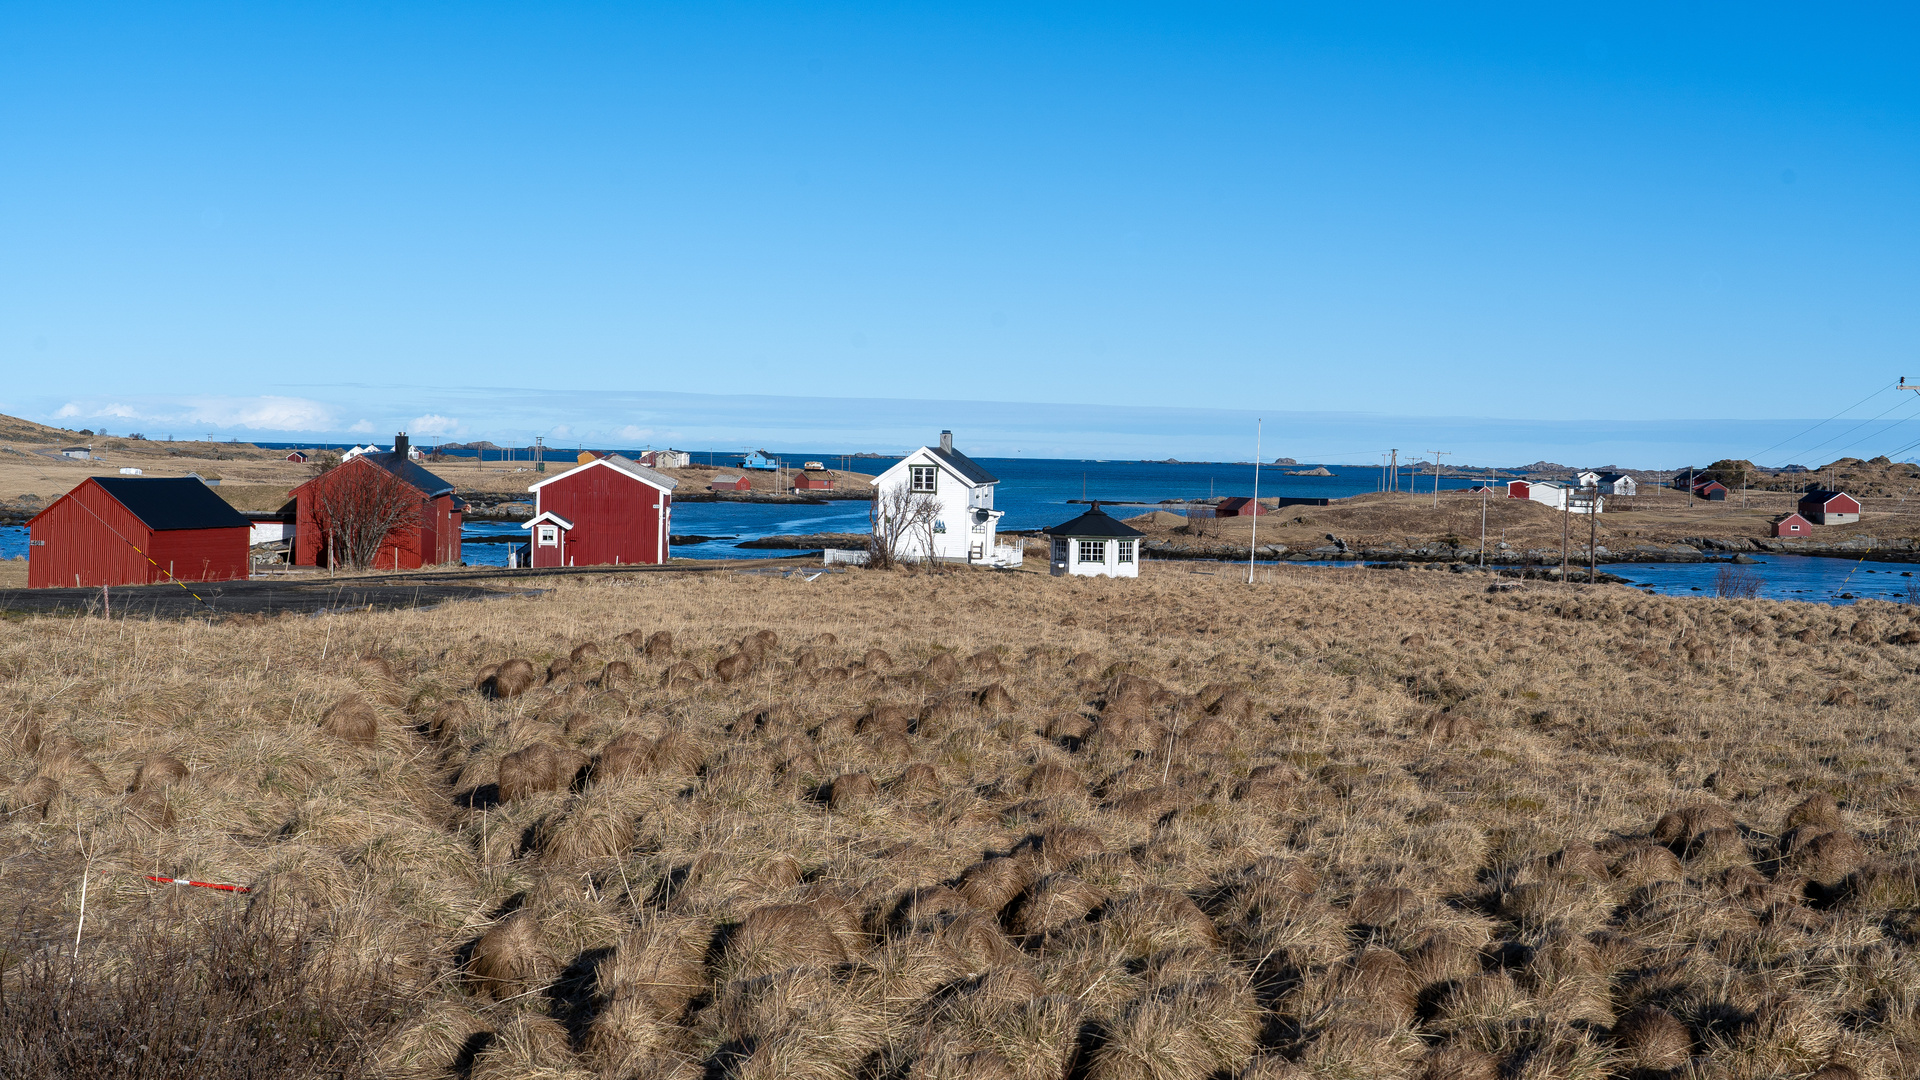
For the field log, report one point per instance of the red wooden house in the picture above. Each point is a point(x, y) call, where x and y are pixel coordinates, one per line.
point(1711, 490)
point(730, 483)
point(611, 511)
point(1829, 507)
point(1519, 489)
point(813, 481)
point(1238, 506)
point(120, 530)
point(434, 536)
point(1792, 525)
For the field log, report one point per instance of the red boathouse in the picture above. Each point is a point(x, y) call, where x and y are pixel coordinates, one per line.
point(122, 530)
point(433, 536)
point(609, 511)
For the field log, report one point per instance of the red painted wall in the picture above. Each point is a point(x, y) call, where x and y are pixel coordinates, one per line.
point(1842, 504)
point(87, 538)
point(616, 518)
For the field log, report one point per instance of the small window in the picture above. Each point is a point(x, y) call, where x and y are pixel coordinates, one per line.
point(1059, 551)
point(1093, 551)
point(923, 477)
point(1126, 551)
point(549, 535)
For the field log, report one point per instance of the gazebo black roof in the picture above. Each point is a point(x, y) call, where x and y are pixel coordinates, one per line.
point(1094, 524)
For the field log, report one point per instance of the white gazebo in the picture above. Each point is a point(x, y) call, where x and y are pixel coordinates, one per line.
point(1095, 545)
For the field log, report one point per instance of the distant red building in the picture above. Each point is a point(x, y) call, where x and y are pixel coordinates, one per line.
point(813, 481)
point(1830, 507)
point(1792, 525)
point(1239, 506)
point(1519, 489)
point(1711, 490)
point(610, 511)
point(433, 538)
point(297, 456)
point(730, 483)
point(124, 530)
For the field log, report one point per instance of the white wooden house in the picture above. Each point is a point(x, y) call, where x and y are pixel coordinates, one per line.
point(1615, 483)
point(1586, 478)
point(1094, 545)
point(965, 525)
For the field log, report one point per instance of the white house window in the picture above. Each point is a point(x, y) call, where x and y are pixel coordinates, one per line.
point(1126, 551)
point(923, 477)
point(1093, 551)
point(1059, 551)
point(549, 535)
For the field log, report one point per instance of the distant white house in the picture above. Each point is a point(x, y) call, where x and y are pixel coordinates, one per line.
point(1615, 483)
point(1586, 478)
point(78, 453)
point(358, 450)
point(1559, 495)
point(965, 524)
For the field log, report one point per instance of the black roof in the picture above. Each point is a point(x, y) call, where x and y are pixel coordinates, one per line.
point(407, 472)
point(1821, 495)
point(166, 503)
point(1094, 523)
point(964, 465)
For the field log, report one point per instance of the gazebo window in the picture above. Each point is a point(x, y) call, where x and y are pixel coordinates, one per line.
point(1093, 551)
point(1126, 551)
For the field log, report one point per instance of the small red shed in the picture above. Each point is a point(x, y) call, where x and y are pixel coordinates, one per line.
point(1519, 489)
point(297, 456)
point(813, 481)
point(122, 530)
point(1792, 525)
point(730, 483)
point(611, 511)
point(1238, 506)
point(433, 536)
point(1830, 507)
point(1711, 490)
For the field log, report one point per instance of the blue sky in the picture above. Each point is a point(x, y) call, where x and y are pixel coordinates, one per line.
point(1580, 230)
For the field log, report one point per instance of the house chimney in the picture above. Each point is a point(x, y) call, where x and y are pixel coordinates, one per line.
point(400, 444)
point(946, 441)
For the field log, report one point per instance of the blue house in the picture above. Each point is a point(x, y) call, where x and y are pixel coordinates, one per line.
point(759, 459)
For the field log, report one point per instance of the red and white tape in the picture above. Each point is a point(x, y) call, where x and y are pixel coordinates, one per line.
point(198, 884)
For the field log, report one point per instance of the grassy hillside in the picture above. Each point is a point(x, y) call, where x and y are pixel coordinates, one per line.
point(1339, 823)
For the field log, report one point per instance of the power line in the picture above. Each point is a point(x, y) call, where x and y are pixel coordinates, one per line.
point(1809, 450)
point(1825, 422)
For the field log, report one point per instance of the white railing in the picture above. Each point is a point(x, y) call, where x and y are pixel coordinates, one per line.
point(843, 556)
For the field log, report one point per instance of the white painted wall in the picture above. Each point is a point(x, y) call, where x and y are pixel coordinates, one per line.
point(1066, 560)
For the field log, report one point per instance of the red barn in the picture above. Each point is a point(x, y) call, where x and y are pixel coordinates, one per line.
point(1519, 489)
point(1829, 507)
point(1792, 525)
point(1711, 490)
point(813, 481)
point(611, 511)
point(1238, 506)
point(120, 530)
point(297, 457)
point(730, 483)
point(433, 537)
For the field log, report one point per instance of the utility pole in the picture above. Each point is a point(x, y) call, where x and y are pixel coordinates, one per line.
point(1566, 519)
point(1485, 491)
point(1253, 538)
point(1393, 474)
point(1437, 455)
point(1593, 531)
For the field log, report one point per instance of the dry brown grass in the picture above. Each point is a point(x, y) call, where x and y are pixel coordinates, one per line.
point(1340, 823)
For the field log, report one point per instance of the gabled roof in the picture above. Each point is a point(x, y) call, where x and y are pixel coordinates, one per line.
point(408, 472)
point(964, 465)
point(725, 480)
point(1094, 524)
point(167, 503)
point(1823, 496)
point(1612, 476)
point(547, 515)
point(626, 465)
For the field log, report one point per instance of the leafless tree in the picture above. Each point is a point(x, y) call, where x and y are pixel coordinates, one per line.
point(322, 462)
point(357, 507)
point(900, 516)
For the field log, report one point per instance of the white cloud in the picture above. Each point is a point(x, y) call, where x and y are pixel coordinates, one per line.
point(630, 433)
point(363, 427)
point(434, 424)
point(263, 413)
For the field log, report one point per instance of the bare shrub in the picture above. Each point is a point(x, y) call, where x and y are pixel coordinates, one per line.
point(1737, 583)
point(356, 507)
point(352, 719)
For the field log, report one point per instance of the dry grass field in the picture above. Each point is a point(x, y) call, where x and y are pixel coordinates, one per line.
point(1339, 823)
